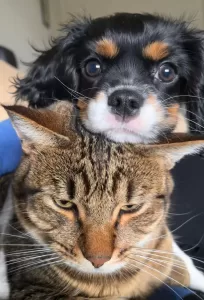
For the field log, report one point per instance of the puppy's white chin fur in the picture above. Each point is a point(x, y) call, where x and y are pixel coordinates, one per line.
point(121, 136)
point(140, 129)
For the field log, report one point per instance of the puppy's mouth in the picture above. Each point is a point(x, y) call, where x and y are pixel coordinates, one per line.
point(121, 129)
point(144, 126)
point(123, 119)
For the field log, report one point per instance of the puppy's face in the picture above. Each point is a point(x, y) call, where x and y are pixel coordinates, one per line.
point(133, 69)
point(138, 76)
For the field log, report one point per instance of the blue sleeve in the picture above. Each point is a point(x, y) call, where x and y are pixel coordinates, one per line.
point(10, 148)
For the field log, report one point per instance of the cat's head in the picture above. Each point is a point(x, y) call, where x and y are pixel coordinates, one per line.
point(94, 203)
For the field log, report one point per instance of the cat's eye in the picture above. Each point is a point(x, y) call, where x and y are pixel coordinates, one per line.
point(63, 203)
point(131, 208)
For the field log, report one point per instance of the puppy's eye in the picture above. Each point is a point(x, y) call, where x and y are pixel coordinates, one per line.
point(93, 68)
point(65, 204)
point(131, 208)
point(166, 73)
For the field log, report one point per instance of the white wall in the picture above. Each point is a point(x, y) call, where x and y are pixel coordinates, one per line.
point(97, 8)
point(20, 23)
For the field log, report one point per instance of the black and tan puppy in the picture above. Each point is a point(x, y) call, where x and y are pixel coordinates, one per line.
point(139, 76)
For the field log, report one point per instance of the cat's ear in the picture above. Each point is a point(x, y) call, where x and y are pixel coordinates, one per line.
point(177, 147)
point(37, 127)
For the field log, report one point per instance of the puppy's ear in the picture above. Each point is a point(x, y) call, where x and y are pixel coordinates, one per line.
point(193, 93)
point(35, 128)
point(177, 147)
point(54, 72)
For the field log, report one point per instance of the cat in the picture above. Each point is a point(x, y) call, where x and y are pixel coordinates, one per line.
point(90, 215)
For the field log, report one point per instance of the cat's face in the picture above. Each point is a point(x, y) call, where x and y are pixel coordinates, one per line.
point(98, 206)
point(95, 207)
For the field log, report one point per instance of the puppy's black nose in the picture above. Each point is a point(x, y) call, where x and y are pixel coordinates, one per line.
point(125, 103)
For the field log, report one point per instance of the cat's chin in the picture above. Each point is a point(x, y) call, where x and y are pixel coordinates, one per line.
point(87, 268)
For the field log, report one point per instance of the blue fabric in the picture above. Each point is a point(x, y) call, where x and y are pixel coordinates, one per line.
point(10, 148)
point(165, 293)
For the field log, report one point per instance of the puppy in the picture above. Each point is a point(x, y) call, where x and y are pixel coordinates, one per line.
point(133, 77)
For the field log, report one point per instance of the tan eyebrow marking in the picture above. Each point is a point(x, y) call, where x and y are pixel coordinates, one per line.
point(107, 48)
point(156, 50)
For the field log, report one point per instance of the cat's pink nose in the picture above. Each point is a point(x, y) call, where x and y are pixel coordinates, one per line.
point(98, 261)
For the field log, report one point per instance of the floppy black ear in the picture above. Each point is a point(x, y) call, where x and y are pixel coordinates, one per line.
point(195, 106)
point(194, 46)
point(54, 69)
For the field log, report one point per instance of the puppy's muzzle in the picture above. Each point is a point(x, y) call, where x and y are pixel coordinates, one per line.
point(125, 103)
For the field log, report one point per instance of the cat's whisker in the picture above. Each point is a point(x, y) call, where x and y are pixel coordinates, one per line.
point(165, 262)
point(182, 214)
point(178, 96)
point(196, 130)
point(71, 90)
point(182, 108)
point(13, 235)
point(18, 253)
point(164, 235)
point(156, 253)
point(164, 258)
point(21, 233)
point(165, 137)
point(43, 263)
point(199, 125)
point(52, 263)
point(196, 259)
point(24, 245)
point(196, 245)
point(153, 251)
point(157, 278)
point(169, 277)
point(192, 113)
point(31, 257)
point(176, 263)
point(66, 87)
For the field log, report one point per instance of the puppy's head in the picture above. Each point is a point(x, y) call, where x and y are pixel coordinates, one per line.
point(129, 72)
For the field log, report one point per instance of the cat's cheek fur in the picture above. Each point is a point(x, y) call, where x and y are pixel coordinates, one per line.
point(143, 243)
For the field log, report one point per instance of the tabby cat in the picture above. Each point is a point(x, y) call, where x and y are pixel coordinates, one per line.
point(90, 216)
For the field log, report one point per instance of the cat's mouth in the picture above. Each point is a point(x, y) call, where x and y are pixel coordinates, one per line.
point(98, 265)
point(87, 267)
